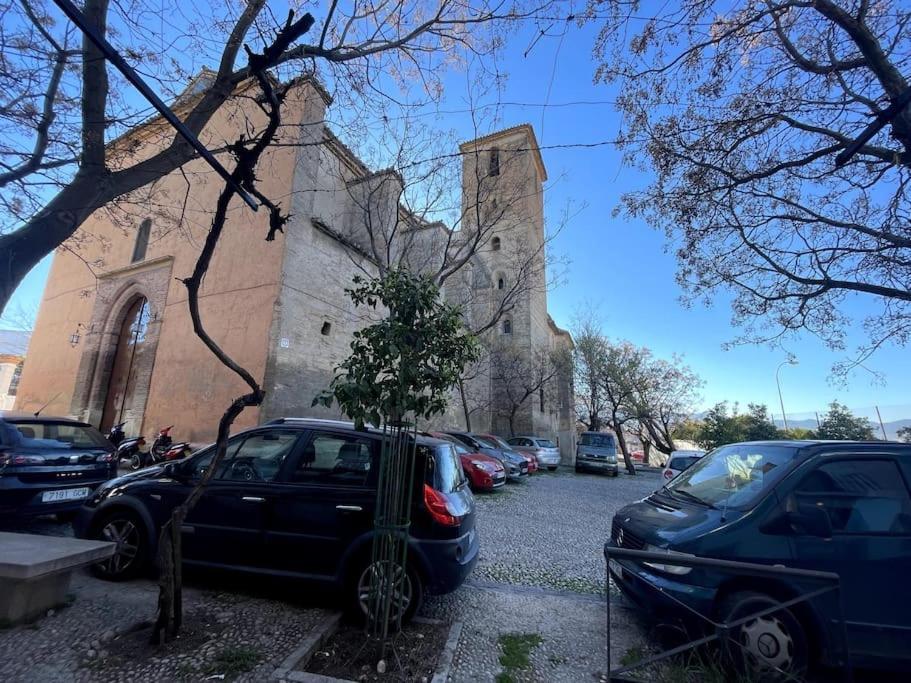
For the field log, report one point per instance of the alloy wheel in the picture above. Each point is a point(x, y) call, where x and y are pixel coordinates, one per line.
point(125, 535)
point(399, 581)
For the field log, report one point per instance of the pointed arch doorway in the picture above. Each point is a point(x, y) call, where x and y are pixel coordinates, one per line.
point(125, 395)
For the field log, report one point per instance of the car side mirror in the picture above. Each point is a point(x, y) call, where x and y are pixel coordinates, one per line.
point(173, 470)
point(811, 520)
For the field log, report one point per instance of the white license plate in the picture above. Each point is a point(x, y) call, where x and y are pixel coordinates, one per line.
point(65, 494)
point(616, 568)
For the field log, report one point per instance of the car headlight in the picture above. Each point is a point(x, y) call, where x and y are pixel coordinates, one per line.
point(478, 465)
point(674, 569)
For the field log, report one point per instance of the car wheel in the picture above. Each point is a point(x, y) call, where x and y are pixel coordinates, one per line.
point(551, 468)
point(135, 462)
point(407, 584)
point(772, 647)
point(126, 530)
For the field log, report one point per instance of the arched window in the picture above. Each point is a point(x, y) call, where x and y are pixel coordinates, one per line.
point(493, 164)
point(500, 283)
point(507, 326)
point(142, 240)
point(495, 244)
point(541, 398)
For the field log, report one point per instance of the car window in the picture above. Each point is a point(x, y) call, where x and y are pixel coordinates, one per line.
point(51, 434)
point(598, 440)
point(444, 467)
point(860, 496)
point(335, 459)
point(683, 463)
point(196, 467)
point(259, 456)
point(545, 443)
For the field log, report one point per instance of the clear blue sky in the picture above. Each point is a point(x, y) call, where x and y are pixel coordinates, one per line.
point(623, 267)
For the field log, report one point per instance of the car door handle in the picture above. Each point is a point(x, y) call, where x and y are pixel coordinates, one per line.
point(253, 499)
point(349, 508)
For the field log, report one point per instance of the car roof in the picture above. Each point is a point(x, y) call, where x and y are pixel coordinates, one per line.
point(316, 422)
point(816, 445)
point(23, 416)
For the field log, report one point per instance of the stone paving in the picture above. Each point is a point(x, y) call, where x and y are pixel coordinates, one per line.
point(541, 571)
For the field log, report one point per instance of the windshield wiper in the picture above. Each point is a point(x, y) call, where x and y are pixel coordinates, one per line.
point(690, 496)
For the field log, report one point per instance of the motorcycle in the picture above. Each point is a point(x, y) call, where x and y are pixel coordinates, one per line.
point(162, 450)
point(116, 435)
point(128, 449)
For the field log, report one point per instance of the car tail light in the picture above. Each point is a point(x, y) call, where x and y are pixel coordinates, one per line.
point(15, 459)
point(438, 507)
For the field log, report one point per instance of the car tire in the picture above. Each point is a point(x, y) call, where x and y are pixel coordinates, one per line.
point(551, 468)
point(759, 647)
point(135, 462)
point(356, 592)
point(130, 559)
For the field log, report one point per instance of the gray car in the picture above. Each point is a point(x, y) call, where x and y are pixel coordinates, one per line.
point(597, 451)
point(544, 450)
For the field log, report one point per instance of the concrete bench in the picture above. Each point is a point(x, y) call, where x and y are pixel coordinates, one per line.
point(35, 571)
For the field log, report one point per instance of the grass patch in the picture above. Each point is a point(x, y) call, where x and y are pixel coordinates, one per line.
point(233, 661)
point(632, 655)
point(516, 647)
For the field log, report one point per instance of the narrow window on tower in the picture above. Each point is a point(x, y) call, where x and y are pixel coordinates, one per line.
point(507, 326)
point(541, 398)
point(493, 167)
point(495, 244)
point(500, 283)
point(142, 240)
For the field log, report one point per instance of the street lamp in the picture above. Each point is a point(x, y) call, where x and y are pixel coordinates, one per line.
point(789, 361)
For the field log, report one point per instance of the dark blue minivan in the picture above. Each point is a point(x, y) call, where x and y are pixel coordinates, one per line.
point(833, 506)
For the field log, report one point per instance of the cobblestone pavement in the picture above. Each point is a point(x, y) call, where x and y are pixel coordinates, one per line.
point(541, 572)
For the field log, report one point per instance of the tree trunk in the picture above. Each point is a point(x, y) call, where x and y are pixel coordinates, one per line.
point(647, 448)
point(628, 461)
point(465, 405)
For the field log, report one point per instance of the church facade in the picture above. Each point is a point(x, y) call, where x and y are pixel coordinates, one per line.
point(113, 341)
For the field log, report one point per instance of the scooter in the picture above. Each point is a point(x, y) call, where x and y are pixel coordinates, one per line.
point(161, 447)
point(116, 435)
point(128, 449)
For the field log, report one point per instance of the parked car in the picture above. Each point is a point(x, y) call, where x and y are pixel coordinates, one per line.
point(544, 450)
point(597, 451)
point(678, 462)
point(484, 472)
point(837, 506)
point(293, 497)
point(504, 446)
point(50, 465)
point(516, 466)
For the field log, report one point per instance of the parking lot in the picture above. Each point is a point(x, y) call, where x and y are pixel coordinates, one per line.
point(541, 572)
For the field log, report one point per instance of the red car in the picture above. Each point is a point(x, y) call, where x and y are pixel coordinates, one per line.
point(501, 443)
point(484, 472)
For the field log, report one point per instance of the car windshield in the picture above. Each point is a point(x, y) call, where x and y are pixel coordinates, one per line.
point(598, 440)
point(734, 476)
point(487, 443)
point(500, 443)
point(51, 434)
point(545, 443)
point(459, 447)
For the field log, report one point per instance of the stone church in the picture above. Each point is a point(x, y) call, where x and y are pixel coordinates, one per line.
point(113, 340)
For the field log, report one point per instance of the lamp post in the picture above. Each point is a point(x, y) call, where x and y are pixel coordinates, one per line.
point(789, 361)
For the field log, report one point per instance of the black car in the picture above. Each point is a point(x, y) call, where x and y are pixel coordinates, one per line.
point(294, 497)
point(50, 465)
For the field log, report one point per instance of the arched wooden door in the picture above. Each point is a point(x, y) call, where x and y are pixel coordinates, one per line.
point(122, 386)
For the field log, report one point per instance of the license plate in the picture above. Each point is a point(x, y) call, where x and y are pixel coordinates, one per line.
point(65, 494)
point(616, 568)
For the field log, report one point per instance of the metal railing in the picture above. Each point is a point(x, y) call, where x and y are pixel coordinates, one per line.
point(720, 631)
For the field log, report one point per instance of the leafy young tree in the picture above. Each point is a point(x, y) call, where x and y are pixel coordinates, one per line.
point(841, 423)
point(63, 112)
point(741, 110)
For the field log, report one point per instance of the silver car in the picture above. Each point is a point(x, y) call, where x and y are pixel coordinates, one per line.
point(544, 450)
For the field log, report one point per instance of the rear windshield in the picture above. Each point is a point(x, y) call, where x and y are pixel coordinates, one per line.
point(598, 440)
point(681, 463)
point(445, 469)
point(734, 476)
point(50, 434)
point(545, 443)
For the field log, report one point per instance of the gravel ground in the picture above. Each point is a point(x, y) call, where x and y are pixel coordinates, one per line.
point(550, 529)
point(103, 634)
point(541, 572)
